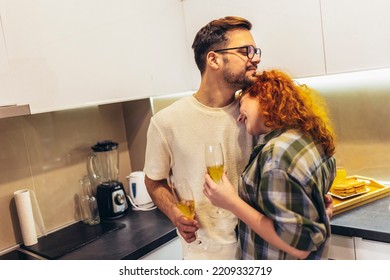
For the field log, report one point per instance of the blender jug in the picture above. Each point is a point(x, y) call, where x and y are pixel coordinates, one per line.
point(103, 168)
point(103, 164)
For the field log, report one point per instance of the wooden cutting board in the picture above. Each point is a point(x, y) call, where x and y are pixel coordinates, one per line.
point(375, 192)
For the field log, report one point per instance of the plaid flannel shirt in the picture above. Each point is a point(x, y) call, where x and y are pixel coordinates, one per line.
point(286, 179)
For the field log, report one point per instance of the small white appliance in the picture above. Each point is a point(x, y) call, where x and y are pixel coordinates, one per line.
point(138, 194)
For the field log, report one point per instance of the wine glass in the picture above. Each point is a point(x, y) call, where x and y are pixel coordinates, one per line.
point(215, 168)
point(185, 202)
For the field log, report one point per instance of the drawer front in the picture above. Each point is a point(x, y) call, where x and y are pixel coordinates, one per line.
point(169, 251)
point(342, 248)
point(371, 250)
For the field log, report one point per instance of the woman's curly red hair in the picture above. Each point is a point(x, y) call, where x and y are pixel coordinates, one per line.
point(286, 104)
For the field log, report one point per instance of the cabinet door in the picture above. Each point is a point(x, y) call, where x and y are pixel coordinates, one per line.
point(7, 96)
point(356, 34)
point(169, 251)
point(288, 32)
point(65, 54)
point(371, 250)
point(342, 248)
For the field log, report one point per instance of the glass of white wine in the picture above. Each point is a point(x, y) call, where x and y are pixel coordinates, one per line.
point(215, 168)
point(185, 202)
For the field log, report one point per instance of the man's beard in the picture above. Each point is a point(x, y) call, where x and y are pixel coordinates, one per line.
point(238, 80)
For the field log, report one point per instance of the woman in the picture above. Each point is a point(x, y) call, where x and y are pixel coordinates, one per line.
point(280, 202)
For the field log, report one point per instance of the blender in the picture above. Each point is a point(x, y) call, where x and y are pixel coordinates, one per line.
point(103, 168)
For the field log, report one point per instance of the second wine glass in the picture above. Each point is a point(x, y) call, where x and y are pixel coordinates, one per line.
point(185, 202)
point(215, 168)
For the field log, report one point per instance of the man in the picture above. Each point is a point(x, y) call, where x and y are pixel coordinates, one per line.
point(227, 58)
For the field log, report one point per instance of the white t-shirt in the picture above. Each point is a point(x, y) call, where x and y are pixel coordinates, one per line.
point(176, 139)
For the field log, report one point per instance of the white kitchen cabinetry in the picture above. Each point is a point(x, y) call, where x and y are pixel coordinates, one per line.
point(356, 248)
point(371, 250)
point(304, 37)
point(169, 251)
point(342, 248)
point(6, 91)
point(288, 32)
point(356, 34)
point(66, 54)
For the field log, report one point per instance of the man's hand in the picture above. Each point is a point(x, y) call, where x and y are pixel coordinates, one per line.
point(186, 227)
point(161, 195)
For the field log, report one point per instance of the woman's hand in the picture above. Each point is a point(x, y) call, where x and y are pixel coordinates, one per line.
point(221, 195)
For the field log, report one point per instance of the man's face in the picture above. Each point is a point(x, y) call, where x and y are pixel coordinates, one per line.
point(238, 69)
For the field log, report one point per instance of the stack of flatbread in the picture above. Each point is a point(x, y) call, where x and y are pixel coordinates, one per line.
point(347, 187)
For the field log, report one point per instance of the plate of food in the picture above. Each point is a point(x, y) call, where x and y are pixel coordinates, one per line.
point(349, 195)
point(347, 188)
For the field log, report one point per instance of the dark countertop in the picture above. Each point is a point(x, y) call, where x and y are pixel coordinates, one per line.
point(139, 234)
point(370, 221)
point(145, 231)
point(17, 255)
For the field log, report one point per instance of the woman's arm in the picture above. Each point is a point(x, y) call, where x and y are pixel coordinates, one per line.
point(225, 196)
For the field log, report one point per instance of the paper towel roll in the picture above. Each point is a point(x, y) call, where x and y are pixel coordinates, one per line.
point(25, 211)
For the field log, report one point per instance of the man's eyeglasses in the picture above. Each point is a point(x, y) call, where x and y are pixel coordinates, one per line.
point(251, 51)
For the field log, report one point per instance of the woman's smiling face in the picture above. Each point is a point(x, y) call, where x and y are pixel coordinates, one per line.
point(251, 115)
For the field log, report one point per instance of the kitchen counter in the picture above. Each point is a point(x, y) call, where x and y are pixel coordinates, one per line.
point(370, 221)
point(145, 231)
point(17, 255)
point(138, 234)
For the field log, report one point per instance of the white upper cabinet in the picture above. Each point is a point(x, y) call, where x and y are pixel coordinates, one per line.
point(66, 54)
point(305, 37)
point(356, 34)
point(6, 91)
point(288, 32)
point(57, 54)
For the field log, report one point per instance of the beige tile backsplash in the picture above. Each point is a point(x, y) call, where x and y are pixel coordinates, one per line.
point(47, 153)
point(361, 120)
